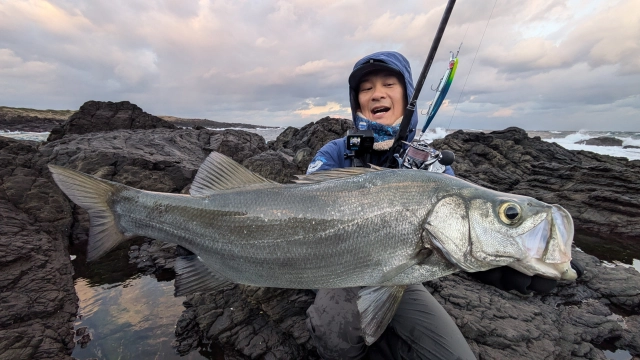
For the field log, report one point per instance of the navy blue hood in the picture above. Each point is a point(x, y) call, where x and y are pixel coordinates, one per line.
point(397, 62)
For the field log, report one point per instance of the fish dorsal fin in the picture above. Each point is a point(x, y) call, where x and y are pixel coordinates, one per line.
point(333, 174)
point(377, 305)
point(219, 172)
point(193, 276)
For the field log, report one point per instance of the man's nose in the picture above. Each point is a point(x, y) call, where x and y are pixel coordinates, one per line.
point(378, 93)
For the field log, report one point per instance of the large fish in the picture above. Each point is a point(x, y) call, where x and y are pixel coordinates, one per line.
point(381, 230)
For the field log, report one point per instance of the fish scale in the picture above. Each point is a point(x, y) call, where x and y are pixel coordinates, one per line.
point(299, 239)
point(378, 229)
point(297, 236)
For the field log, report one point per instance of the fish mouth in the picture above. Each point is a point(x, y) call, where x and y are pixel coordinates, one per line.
point(548, 247)
point(479, 240)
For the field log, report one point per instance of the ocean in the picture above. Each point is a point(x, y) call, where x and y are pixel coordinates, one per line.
point(566, 139)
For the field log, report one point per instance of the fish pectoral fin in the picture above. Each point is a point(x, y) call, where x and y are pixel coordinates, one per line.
point(334, 174)
point(377, 305)
point(219, 172)
point(193, 276)
point(420, 256)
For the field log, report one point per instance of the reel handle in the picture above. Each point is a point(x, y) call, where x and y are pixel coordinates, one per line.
point(446, 157)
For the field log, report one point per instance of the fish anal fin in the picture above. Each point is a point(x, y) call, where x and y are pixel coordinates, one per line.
point(333, 174)
point(193, 276)
point(219, 172)
point(377, 305)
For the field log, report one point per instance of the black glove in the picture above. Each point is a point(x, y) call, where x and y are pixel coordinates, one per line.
point(506, 278)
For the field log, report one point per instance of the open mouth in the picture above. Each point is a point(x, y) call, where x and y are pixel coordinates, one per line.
point(380, 109)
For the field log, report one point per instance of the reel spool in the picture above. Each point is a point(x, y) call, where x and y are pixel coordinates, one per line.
point(421, 156)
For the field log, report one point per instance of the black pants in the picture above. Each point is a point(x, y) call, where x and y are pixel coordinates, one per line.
point(420, 329)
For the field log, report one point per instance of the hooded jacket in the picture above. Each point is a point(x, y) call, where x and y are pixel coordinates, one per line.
point(332, 155)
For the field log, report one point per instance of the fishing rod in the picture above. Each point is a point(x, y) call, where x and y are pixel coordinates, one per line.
point(396, 148)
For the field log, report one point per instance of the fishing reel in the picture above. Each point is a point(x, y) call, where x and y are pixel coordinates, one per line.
point(421, 156)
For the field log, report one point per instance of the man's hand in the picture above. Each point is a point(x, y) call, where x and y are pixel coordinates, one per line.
point(506, 278)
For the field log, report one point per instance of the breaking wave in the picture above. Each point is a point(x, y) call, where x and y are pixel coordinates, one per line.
point(569, 140)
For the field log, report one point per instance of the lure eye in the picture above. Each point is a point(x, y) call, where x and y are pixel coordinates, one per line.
point(510, 213)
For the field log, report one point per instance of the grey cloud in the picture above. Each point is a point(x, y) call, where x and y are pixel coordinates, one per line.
point(262, 61)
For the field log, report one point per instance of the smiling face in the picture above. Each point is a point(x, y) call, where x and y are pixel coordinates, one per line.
point(381, 97)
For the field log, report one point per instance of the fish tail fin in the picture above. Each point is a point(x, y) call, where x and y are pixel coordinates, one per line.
point(93, 195)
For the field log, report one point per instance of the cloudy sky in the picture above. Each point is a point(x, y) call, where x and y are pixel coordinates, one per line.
point(541, 64)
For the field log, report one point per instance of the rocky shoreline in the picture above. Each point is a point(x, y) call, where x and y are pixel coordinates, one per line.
point(115, 114)
point(39, 304)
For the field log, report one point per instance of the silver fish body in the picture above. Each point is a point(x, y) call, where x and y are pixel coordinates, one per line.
point(331, 234)
point(351, 231)
point(351, 227)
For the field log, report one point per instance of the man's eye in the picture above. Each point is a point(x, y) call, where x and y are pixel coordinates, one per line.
point(365, 89)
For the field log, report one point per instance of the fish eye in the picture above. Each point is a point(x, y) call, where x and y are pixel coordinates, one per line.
point(510, 213)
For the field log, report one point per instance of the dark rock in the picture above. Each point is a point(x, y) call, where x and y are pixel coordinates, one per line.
point(601, 192)
point(631, 147)
point(576, 320)
point(237, 144)
point(249, 322)
point(36, 221)
point(303, 143)
point(273, 166)
point(573, 321)
point(31, 120)
point(84, 340)
point(187, 332)
point(630, 340)
point(81, 331)
point(97, 116)
point(28, 123)
point(153, 256)
point(601, 141)
point(200, 124)
point(37, 297)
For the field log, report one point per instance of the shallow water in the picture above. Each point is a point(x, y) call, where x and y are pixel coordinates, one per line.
point(618, 355)
point(129, 315)
point(134, 319)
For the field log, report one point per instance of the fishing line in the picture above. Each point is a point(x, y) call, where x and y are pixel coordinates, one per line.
point(472, 62)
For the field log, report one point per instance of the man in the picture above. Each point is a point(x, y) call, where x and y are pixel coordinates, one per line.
point(380, 87)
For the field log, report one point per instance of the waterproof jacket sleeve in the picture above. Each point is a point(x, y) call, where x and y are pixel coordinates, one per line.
point(330, 156)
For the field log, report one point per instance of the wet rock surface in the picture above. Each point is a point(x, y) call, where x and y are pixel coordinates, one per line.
point(37, 222)
point(601, 141)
